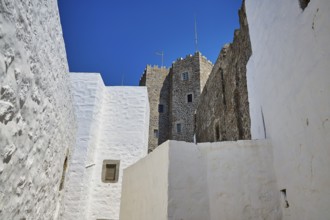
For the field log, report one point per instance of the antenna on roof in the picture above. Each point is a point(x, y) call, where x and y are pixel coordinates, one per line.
point(161, 54)
point(196, 37)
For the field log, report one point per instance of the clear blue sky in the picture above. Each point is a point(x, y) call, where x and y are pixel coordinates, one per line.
point(118, 38)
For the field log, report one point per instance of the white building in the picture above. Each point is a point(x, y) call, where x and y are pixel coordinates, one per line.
point(113, 125)
point(286, 176)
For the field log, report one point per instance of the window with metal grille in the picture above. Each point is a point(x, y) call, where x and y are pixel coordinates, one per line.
point(185, 76)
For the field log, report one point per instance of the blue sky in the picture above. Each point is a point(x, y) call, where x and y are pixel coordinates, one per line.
point(118, 38)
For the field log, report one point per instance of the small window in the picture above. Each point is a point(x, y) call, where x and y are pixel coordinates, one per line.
point(156, 134)
point(178, 128)
point(217, 133)
point(110, 171)
point(160, 108)
point(185, 76)
point(189, 98)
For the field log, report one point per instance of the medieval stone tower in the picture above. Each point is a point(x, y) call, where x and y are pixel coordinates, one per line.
point(156, 79)
point(173, 96)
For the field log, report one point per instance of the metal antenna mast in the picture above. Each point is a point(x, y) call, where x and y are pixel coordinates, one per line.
point(196, 37)
point(161, 54)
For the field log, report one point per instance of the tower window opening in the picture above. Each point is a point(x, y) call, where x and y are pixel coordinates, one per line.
point(217, 133)
point(189, 98)
point(178, 128)
point(160, 108)
point(156, 133)
point(185, 76)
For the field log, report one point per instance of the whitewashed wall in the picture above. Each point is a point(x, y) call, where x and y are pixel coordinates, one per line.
point(209, 181)
point(145, 187)
point(88, 93)
point(123, 136)
point(37, 123)
point(113, 124)
point(289, 81)
point(241, 180)
point(187, 177)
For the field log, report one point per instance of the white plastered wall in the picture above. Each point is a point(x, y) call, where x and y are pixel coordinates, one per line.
point(145, 187)
point(289, 81)
point(123, 136)
point(113, 124)
point(37, 123)
point(241, 180)
point(88, 90)
point(209, 181)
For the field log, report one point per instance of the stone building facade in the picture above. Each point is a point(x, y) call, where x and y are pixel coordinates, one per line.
point(200, 99)
point(173, 97)
point(157, 81)
point(188, 77)
point(223, 110)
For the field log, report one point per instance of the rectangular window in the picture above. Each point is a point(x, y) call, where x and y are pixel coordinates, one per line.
point(110, 171)
point(189, 98)
point(156, 134)
point(178, 128)
point(160, 108)
point(185, 76)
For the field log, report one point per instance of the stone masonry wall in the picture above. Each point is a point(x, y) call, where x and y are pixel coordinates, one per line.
point(37, 123)
point(223, 111)
point(182, 111)
point(156, 79)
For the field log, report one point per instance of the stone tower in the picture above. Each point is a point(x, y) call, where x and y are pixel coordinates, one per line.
point(188, 77)
point(156, 79)
point(173, 98)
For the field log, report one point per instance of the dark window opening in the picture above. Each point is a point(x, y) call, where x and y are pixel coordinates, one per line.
point(223, 89)
point(160, 108)
point(217, 133)
point(304, 3)
point(65, 165)
point(110, 171)
point(189, 97)
point(156, 134)
point(178, 128)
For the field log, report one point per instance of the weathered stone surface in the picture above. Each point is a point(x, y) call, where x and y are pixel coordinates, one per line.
point(182, 111)
point(223, 111)
point(157, 81)
point(37, 124)
point(167, 87)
